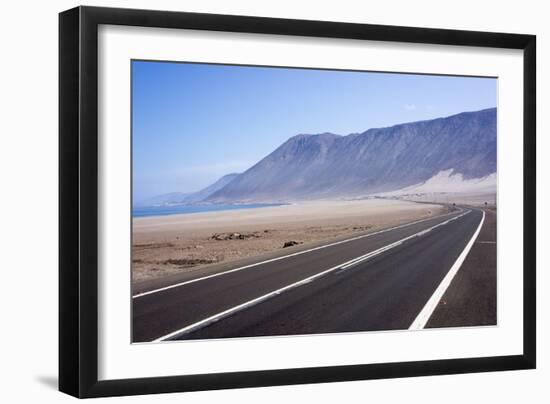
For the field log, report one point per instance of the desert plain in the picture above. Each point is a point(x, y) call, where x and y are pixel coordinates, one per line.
point(164, 245)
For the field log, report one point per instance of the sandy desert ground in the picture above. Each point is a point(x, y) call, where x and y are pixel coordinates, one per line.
point(168, 244)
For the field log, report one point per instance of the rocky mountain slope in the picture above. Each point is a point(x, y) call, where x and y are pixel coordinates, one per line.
point(378, 160)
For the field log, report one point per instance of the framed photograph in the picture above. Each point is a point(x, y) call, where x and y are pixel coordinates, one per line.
point(251, 201)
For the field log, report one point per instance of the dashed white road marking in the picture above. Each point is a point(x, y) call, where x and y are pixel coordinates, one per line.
point(218, 316)
point(176, 285)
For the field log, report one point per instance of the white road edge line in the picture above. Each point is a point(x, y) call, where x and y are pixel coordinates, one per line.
point(216, 317)
point(286, 256)
point(422, 318)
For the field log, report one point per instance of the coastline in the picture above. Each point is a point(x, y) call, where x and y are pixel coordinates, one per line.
point(164, 245)
point(168, 210)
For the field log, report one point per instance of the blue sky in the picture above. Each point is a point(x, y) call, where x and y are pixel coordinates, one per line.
point(193, 123)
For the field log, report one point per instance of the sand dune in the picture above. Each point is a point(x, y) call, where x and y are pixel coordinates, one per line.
point(447, 181)
point(448, 187)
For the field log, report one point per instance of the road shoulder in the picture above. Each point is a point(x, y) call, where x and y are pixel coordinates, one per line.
point(471, 298)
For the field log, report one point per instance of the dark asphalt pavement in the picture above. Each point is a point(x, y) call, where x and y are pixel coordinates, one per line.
point(383, 293)
point(471, 299)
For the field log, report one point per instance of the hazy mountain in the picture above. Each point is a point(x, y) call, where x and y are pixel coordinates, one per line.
point(209, 190)
point(164, 199)
point(181, 198)
point(378, 160)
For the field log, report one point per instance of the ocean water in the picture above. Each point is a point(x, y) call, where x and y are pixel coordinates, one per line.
point(182, 209)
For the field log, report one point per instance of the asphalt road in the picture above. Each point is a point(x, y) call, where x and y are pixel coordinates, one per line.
point(471, 299)
point(320, 291)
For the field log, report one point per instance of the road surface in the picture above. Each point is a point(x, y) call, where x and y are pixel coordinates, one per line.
point(379, 281)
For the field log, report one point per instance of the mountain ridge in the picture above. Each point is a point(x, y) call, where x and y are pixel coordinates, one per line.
point(182, 198)
point(376, 160)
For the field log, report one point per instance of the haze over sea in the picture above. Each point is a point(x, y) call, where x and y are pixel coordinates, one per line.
point(183, 209)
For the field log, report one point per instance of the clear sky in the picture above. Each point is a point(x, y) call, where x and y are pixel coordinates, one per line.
point(193, 123)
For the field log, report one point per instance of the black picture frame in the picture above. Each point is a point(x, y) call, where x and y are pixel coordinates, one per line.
point(78, 200)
